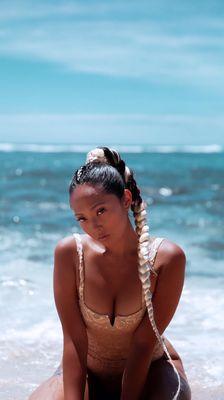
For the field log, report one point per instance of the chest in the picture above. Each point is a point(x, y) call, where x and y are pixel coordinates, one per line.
point(112, 287)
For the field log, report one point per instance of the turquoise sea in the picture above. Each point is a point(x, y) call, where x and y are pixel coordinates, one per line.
point(184, 189)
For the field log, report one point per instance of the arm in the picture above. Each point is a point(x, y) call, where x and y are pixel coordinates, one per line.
point(75, 342)
point(171, 260)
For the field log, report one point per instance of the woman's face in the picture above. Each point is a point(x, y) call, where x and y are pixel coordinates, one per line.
point(102, 216)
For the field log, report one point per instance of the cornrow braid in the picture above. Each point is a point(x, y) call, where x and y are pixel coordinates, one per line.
point(138, 207)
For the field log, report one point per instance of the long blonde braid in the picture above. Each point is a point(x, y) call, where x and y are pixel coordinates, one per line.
point(142, 229)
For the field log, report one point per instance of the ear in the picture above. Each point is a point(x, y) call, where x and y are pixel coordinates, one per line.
point(127, 198)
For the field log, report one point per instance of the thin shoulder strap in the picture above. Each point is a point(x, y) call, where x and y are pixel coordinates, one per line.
point(154, 245)
point(80, 255)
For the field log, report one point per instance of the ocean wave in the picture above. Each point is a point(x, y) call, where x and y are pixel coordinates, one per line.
point(33, 334)
point(83, 148)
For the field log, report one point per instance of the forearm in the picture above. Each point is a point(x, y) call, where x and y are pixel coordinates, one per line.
point(74, 373)
point(135, 373)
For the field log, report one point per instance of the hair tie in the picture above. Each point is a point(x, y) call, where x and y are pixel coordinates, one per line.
point(96, 155)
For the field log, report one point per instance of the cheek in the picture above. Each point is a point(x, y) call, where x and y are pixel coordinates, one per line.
point(85, 226)
point(118, 219)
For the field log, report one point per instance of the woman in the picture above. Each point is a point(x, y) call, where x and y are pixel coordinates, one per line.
point(116, 290)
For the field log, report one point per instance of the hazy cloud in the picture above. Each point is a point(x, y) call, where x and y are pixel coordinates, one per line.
point(86, 128)
point(184, 50)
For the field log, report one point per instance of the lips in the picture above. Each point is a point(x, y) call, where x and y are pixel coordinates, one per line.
point(102, 237)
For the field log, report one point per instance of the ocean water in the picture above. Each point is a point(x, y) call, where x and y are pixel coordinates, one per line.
point(184, 189)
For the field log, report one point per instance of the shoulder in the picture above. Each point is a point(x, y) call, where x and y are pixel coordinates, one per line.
point(170, 250)
point(66, 245)
point(65, 263)
point(65, 253)
point(66, 248)
point(169, 254)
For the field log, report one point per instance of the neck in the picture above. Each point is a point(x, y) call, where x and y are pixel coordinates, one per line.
point(126, 244)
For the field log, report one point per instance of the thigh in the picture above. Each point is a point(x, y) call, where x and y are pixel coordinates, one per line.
point(162, 381)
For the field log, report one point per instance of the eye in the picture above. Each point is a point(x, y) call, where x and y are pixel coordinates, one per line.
point(101, 211)
point(81, 219)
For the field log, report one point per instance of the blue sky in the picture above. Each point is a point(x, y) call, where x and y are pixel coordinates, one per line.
point(112, 72)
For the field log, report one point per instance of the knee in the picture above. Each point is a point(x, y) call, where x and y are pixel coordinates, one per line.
point(167, 392)
point(160, 394)
point(185, 391)
point(163, 389)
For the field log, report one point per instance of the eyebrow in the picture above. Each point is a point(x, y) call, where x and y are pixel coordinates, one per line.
point(91, 208)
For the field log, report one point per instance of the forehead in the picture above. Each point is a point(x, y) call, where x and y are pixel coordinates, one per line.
point(86, 196)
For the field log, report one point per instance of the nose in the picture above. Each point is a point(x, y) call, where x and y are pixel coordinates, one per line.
point(96, 225)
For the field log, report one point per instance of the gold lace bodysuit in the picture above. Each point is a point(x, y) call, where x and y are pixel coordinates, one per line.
point(108, 345)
